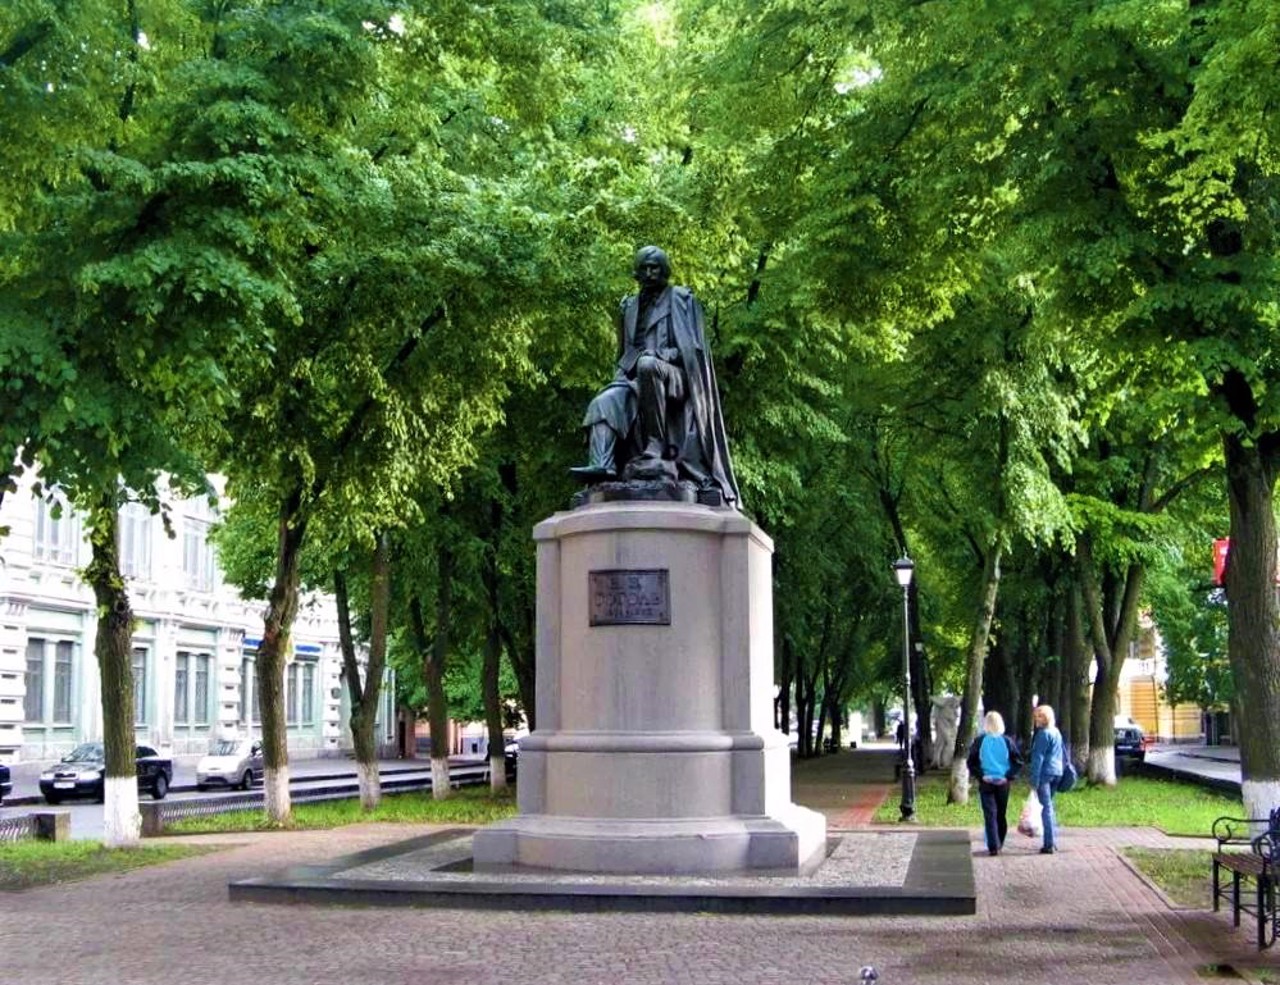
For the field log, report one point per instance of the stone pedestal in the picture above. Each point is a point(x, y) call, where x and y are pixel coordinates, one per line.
point(655, 750)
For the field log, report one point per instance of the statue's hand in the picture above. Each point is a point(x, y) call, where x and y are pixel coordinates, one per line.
point(671, 355)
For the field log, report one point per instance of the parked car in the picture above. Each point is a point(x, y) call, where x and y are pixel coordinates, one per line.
point(6, 784)
point(80, 773)
point(231, 763)
point(1131, 742)
point(511, 759)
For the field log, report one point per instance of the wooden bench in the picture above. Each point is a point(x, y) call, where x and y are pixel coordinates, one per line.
point(1254, 857)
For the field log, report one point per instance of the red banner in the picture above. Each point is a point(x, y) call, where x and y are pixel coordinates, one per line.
point(1220, 547)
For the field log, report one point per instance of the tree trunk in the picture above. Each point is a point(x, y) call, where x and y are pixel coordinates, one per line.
point(782, 703)
point(493, 712)
point(113, 646)
point(1056, 678)
point(379, 614)
point(958, 785)
point(832, 696)
point(1076, 675)
point(878, 718)
point(806, 700)
point(433, 675)
point(997, 682)
point(365, 695)
point(921, 679)
point(492, 662)
point(282, 608)
point(1254, 617)
point(521, 648)
point(1110, 646)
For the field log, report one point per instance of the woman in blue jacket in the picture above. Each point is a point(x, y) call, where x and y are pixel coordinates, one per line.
point(1046, 771)
point(994, 758)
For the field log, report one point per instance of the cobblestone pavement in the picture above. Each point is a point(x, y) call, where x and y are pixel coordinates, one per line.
point(1079, 916)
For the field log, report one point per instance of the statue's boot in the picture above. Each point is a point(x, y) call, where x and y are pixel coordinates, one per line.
point(600, 463)
point(592, 473)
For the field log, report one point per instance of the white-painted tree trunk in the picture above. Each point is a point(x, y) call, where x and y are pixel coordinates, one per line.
point(121, 819)
point(958, 786)
point(1102, 765)
point(440, 788)
point(370, 785)
point(275, 792)
point(497, 773)
point(1261, 797)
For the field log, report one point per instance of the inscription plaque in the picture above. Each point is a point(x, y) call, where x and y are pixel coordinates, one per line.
point(630, 598)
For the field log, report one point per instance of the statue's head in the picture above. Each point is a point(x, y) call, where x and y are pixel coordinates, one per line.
point(652, 268)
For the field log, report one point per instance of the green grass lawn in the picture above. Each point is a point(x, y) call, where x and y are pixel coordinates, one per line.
point(1183, 874)
point(1174, 807)
point(466, 806)
point(25, 864)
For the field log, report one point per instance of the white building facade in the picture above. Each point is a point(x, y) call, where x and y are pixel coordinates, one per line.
point(194, 641)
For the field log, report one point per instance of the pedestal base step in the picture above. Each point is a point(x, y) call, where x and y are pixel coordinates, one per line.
point(787, 843)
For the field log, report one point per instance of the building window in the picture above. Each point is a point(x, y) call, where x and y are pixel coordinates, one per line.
point(388, 706)
point(62, 678)
point(57, 531)
point(250, 707)
point(140, 685)
point(135, 541)
point(246, 686)
point(33, 703)
point(292, 685)
point(191, 688)
point(299, 687)
point(38, 682)
point(198, 560)
point(200, 713)
point(308, 693)
point(180, 691)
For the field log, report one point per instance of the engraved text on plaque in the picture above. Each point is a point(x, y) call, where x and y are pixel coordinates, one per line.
point(630, 598)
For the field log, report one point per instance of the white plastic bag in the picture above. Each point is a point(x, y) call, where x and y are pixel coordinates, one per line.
point(1029, 822)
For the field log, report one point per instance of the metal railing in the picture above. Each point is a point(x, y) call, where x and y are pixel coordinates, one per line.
point(19, 828)
point(157, 815)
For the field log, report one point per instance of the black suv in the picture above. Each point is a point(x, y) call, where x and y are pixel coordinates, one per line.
point(6, 785)
point(1131, 742)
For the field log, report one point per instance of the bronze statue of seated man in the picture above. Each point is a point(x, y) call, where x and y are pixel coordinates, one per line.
point(659, 418)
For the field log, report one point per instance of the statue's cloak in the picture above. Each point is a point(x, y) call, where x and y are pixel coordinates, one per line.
point(703, 455)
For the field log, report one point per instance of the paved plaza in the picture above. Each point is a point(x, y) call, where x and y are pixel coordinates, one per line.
point(1079, 916)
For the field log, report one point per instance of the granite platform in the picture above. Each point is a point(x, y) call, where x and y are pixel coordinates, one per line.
point(891, 872)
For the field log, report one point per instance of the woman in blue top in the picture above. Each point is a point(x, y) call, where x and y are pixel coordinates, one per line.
point(995, 760)
point(1046, 770)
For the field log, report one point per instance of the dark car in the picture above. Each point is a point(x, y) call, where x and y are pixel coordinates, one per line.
point(80, 773)
point(1131, 742)
point(6, 784)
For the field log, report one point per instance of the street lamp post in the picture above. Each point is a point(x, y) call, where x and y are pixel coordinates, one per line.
point(903, 570)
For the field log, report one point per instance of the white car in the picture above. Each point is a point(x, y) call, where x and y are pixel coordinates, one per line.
point(230, 763)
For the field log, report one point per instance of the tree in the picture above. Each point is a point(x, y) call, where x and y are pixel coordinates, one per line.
point(380, 237)
point(106, 395)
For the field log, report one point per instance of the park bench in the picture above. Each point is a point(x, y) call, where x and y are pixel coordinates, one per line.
point(1253, 857)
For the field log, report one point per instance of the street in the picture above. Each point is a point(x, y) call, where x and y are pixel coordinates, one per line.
point(333, 777)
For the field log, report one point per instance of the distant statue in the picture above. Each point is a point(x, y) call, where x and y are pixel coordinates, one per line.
point(660, 417)
point(946, 723)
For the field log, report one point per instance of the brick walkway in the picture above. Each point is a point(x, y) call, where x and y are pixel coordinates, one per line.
point(1079, 916)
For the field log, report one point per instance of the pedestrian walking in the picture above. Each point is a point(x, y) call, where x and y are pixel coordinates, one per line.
point(995, 759)
point(1046, 771)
